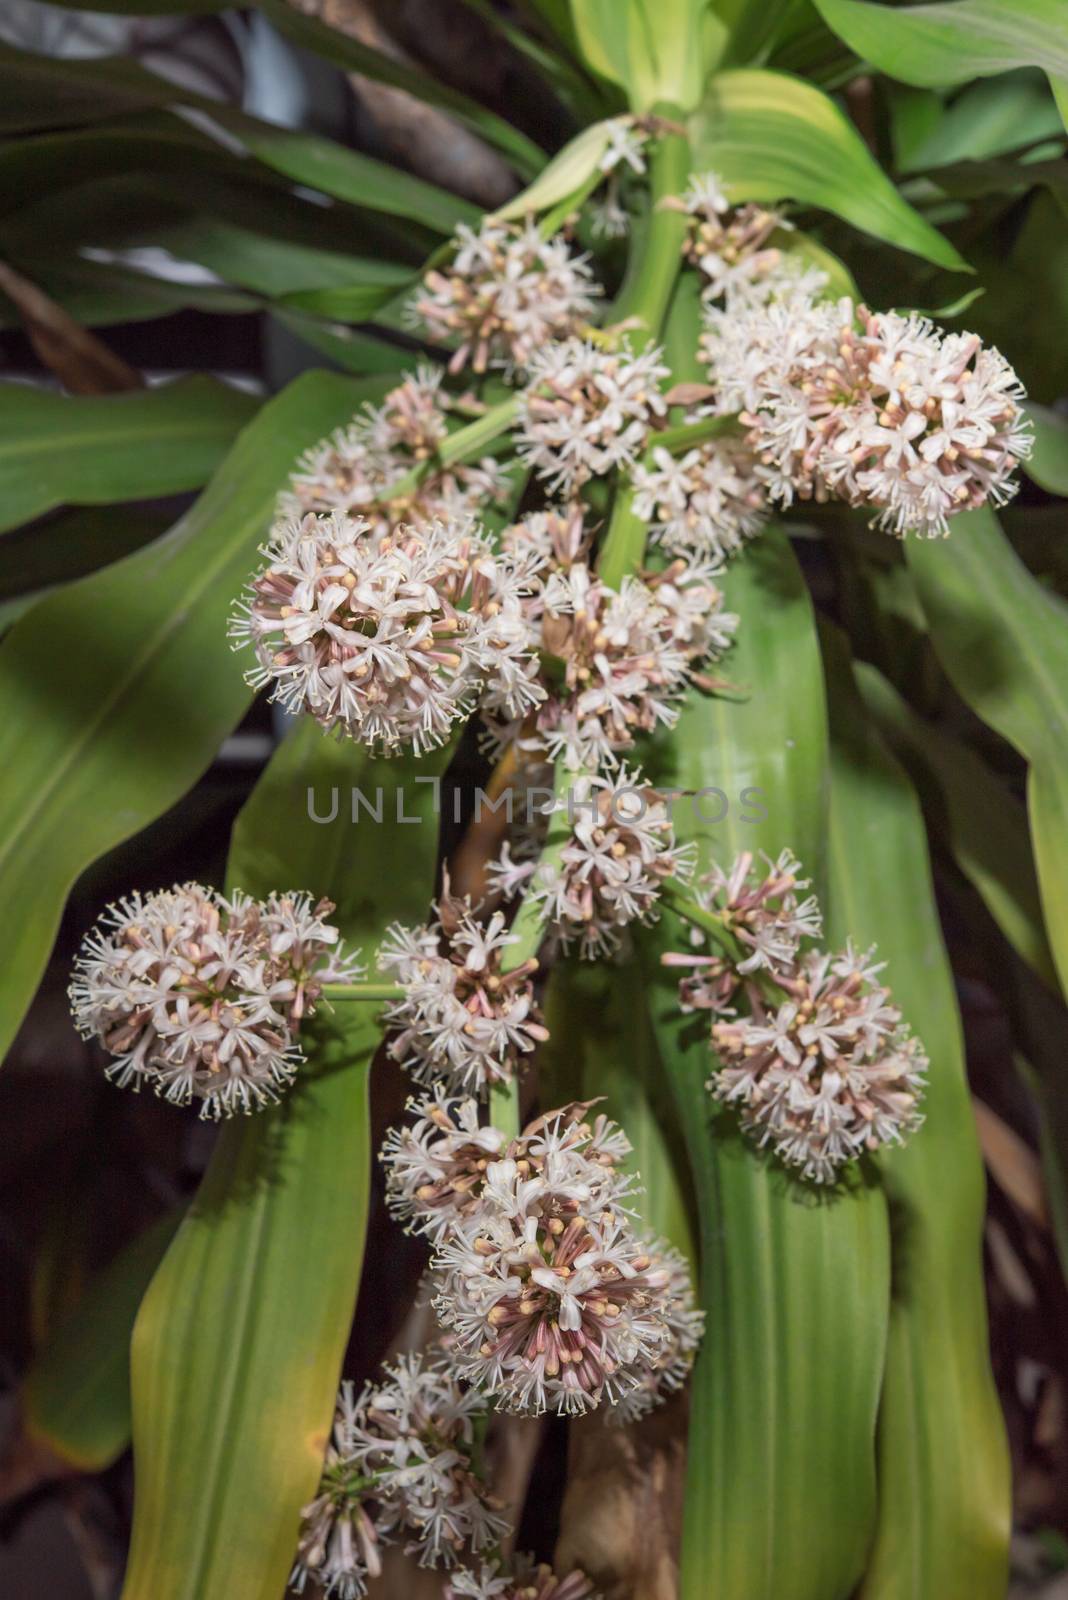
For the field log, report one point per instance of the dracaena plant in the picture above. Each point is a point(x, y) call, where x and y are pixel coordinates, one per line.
point(688, 1114)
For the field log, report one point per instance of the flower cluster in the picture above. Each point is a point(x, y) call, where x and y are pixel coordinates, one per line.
point(552, 1300)
point(380, 638)
point(610, 870)
point(707, 501)
point(615, 661)
point(507, 293)
point(203, 996)
point(466, 1019)
point(728, 246)
point(355, 470)
point(878, 409)
point(813, 1053)
point(588, 410)
point(526, 1580)
point(398, 1464)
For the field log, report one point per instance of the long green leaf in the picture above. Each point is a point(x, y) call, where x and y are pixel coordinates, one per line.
point(944, 1502)
point(342, 50)
point(238, 1345)
point(76, 1396)
point(780, 1488)
point(940, 45)
point(985, 826)
point(771, 137)
point(96, 90)
point(72, 544)
point(118, 690)
point(1003, 639)
point(57, 450)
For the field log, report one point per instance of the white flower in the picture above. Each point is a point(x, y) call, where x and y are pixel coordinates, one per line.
point(202, 996)
point(368, 636)
point(729, 246)
point(354, 470)
point(507, 293)
point(587, 410)
point(627, 655)
point(892, 414)
point(463, 1021)
point(611, 869)
point(708, 501)
point(625, 147)
point(685, 1324)
point(527, 1580)
point(831, 1073)
point(398, 1462)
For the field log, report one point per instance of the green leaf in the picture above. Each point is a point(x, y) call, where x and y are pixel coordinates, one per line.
point(984, 825)
point(76, 1396)
point(939, 45)
point(56, 92)
point(238, 1345)
point(57, 449)
point(343, 50)
point(944, 1502)
point(566, 173)
point(353, 302)
point(771, 137)
point(98, 294)
point(98, 89)
point(1003, 640)
point(1048, 463)
point(119, 689)
point(987, 119)
point(72, 544)
point(660, 51)
point(780, 1483)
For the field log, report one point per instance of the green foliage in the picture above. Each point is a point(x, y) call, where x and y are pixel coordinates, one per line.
point(119, 688)
point(238, 1344)
point(772, 137)
point(780, 1488)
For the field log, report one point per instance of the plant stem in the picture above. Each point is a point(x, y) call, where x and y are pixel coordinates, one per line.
point(687, 434)
point(459, 446)
point(362, 991)
point(674, 894)
point(645, 298)
point(529, 926)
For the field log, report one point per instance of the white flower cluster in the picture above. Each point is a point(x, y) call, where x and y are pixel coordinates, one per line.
point(525, 1580)
point(878, 409)
point(609, 874)
point(708, 501)
point(383, 639)
point(625, 655)
point(354, 470)
point(507, 293)
point(588, 410)
point(552, 1300)
point(203, 996)
point(729, 246)
point(398, 1464)
point(813, 1053)
point(465, 1021)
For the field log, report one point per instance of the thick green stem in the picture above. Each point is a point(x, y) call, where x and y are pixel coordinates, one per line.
point(463, 445)
point(644, 300)
point(674, 895)
point(529, 926)
point(362, 991)
point(687, 434)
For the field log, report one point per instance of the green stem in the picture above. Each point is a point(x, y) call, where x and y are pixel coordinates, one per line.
point(362, 991)
point(553, 220)
point(462, 445)
point(674, 895)
point(529, 926)
point(687, 434)
point(644, 299)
